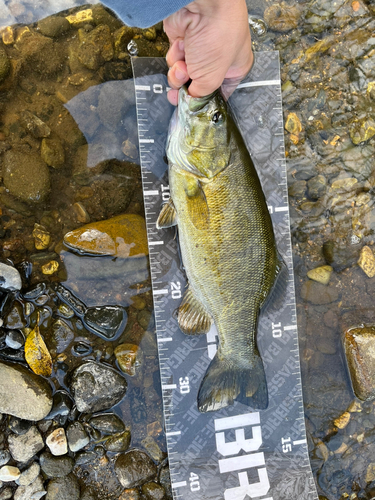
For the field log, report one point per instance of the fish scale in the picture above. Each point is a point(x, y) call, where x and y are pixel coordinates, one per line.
point(234, 453)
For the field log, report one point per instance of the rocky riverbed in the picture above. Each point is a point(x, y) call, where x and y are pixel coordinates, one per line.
point(70, 166)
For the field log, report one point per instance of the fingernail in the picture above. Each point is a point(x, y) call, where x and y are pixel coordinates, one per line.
point(181, 45)
point(180, 75)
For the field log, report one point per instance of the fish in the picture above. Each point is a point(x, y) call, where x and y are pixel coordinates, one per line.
point(227, 245)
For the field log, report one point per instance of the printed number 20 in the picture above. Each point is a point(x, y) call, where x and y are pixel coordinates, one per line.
point(176, 289)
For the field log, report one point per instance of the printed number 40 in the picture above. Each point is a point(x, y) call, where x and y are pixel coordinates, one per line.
point(194, 482)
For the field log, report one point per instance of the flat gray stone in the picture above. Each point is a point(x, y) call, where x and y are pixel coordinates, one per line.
point(29, 475)
point(23, 394)
point(10, 278)
point(25, 446)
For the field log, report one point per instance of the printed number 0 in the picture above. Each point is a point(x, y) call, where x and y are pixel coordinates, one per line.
point(157, 88)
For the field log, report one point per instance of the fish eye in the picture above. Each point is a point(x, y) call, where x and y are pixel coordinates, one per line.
point(216, 117)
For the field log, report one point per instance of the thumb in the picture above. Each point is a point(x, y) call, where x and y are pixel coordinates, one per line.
point(200, 87)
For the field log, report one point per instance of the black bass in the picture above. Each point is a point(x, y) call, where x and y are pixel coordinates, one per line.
point(227, 245)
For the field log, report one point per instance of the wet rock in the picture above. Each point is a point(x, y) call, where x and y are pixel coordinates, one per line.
point(145, 319)
point(95, 47)
point(62, 335)
point(97, 387)
point(293, 124)
point(10, 278)
point(359, 346)
point(34, 125)
point(57, 443)
point(42, 238)
point(123, 236)
point(29, 475)
point(107, 423)
point(4, 64)
point(342, 421)
point(52, 152)
point(4, 457)
point(153, 491)
point(56, 466)
point(317, 187)
point(9, 473)
point(53, 26)
point(316, 293)
point(25, 446)
point(340, 255)
point(107, 321)
point(320, 274)
point(81, 18)
point(62, 404)
point(118, 443)
point(19, 426)
point(130, 494)
point(152, 447)
point(126, 356)
point(282, 17)
point(23, 394)
point(41, 55)
point(33, 491)
point(366, 261)
point(77, 436)
point(63, 488)
point(15, 339)
point(361, 130)
point(297, 189)
point(6, 493)
point(26, 176)
point(134, 468)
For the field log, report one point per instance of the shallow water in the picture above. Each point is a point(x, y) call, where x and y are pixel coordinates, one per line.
point(328, 73)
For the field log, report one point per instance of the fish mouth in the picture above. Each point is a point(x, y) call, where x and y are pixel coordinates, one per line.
point(193, 103)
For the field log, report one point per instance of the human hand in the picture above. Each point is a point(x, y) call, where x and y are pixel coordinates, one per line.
point(211, 45)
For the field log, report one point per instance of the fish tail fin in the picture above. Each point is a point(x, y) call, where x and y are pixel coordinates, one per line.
point(228, 380)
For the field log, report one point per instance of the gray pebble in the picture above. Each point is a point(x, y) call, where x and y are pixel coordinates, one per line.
point(29, 475)
point(317, 186)
point(6, 493)
point(15, 339)
point(33, 491)
point(77, 436)
point(4, 457)
point(56, 466)
point(25, 446)
point(10, 278)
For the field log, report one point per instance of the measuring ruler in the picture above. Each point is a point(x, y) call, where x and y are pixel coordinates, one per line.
point(234, 453)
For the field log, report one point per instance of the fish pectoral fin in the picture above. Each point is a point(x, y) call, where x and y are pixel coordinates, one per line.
point(167, 216)
point(197, 205)
point(193, 319)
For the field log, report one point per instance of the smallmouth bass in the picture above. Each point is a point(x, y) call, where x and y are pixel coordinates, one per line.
point(227, 245)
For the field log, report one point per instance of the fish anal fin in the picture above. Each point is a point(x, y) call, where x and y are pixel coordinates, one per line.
point(277, 293)
point(193, 319)
point(227, 381)
point(167, 216)
point(197, 204)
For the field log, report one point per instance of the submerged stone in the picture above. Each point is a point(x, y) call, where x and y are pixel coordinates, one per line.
point(97, 387)
point(134, 468)
point(320, 274)
point(359, 347)
point(121, 236)
point(366, 261)
point(282, 17)
point(107, 321)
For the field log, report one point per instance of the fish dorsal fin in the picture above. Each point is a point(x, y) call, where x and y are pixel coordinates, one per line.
point(167, 216)
point(197, 203)
point(193, 319)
